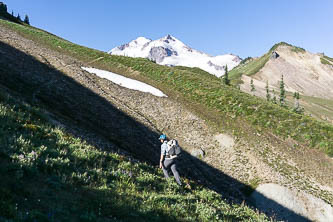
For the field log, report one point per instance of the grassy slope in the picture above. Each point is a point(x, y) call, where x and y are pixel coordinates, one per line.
point(326, 60)
point(38, 161)
point(319, 107)
point(229, 106)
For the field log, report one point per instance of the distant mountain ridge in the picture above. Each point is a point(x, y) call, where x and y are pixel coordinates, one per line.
point(172, 52)
point(311, 74)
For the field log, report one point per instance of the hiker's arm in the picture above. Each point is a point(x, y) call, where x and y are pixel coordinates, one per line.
point(161, 160)
point(164, 147)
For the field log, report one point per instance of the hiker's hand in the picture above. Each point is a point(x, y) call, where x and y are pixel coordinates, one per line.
point(161, 165)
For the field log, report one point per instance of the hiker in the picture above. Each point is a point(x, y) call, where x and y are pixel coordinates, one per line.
point(168, 161)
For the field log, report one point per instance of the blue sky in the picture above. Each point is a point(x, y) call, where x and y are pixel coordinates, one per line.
point(243, 27)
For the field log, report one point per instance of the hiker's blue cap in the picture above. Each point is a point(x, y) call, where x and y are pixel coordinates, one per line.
point(162, 137)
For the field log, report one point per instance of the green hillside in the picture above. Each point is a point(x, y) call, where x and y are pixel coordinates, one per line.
point(38, 161)
point(326, 60)
point(319, 107)
point(43, 160)
point(203, 92)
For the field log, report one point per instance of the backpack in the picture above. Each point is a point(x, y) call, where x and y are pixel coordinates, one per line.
point(173, 148)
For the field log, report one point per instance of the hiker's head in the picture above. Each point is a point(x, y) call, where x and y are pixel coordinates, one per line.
point(162, 137)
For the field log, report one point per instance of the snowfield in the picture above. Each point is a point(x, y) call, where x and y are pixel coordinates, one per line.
point(172, 52)
point(125, 82)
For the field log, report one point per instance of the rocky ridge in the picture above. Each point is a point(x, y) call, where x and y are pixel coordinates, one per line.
point(302, 71)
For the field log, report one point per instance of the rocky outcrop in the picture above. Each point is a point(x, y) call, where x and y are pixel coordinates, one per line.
point(237, 59)
point(157, 54)
point(225, 141)
point(124, 46)
point(217, 67)
point(274, 55)
point(198, 153)
point(291, 205)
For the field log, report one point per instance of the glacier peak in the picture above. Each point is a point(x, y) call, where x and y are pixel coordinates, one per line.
point(170, 51)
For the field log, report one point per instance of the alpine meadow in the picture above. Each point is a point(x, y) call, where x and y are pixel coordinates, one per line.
point(79, 142)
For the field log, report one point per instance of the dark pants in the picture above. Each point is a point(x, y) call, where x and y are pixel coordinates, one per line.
point(171, 164)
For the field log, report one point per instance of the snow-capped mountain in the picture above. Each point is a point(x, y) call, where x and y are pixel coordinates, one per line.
point(172, 52)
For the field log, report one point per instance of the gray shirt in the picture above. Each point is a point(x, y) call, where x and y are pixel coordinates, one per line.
point(164, 148)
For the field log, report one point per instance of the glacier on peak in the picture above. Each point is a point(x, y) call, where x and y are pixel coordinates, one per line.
point(170, 51)
point(141, 40)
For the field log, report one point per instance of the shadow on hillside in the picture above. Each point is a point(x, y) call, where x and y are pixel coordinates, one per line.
point(64, 97)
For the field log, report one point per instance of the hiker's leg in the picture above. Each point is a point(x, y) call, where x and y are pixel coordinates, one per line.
point(166, 165)
point(165, 171)
point(175, 173)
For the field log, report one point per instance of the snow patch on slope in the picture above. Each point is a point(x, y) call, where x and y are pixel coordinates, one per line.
point(172, 52)
point(125, 82)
